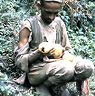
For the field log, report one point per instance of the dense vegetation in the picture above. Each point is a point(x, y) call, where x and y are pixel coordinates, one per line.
point(79, 17)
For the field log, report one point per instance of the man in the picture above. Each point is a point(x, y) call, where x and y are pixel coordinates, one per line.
point(47, 27)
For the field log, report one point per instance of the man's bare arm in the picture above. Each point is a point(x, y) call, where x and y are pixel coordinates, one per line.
point(23, 37)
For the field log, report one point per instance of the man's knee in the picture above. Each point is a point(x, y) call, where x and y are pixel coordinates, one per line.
point(89, 68)
point(84, 68)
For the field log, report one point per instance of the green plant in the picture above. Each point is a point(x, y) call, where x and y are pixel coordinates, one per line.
point(78, 16)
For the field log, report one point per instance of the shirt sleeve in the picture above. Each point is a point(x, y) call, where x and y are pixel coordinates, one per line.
point(21, 57)
point(26, 24)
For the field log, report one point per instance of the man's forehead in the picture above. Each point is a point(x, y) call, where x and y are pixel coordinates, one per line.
point(60, 1)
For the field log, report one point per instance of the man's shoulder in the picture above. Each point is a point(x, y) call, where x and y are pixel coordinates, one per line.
point(31, 18)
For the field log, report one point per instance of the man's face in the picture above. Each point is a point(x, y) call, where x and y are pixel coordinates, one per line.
point(49, 11)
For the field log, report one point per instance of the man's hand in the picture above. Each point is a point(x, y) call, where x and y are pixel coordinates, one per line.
point(57, 51)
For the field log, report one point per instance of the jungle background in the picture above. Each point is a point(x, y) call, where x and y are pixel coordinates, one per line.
point(79, 17)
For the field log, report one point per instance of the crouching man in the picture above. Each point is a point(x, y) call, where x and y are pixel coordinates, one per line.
point(47, 27)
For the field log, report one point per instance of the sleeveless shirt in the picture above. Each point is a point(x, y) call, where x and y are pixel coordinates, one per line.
point(40, 32)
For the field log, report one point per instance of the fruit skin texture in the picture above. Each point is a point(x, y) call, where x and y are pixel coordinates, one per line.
point(46, 47)
point(58, 52)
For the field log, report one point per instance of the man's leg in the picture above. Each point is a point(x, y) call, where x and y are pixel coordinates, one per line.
point(42, 90)
point(53, 73)
point(59, 72)
point(50, 74)
point(83, 69)
point(59, 90)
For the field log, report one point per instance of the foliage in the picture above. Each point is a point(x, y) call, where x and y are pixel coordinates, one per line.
point(79, 17)
point(80, 26)
point(9, 88)
point(10, 16)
